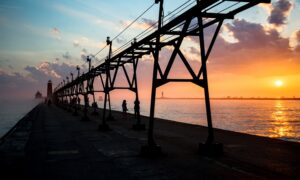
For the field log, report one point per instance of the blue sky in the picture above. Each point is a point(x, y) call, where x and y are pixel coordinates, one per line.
point(61, 32)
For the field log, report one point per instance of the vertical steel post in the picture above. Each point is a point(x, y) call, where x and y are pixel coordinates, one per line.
point(64, 92)
point(85, 110)
point(108, 77)
point(77, 92)
point(104, 126)
point(152, 149)
point(88, 59)
point(210, 147)
point(210, 137)
point(68, 94)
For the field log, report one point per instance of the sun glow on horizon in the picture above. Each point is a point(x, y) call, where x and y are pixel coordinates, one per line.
point(278, 83)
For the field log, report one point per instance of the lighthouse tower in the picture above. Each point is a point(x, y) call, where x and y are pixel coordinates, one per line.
point(49, 90)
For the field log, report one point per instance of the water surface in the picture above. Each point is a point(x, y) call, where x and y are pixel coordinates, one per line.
point(270, 118)
point(11, 111)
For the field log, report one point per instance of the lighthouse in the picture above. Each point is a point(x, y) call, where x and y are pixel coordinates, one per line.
point(49, 90)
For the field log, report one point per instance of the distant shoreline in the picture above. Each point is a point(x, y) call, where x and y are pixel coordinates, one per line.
point(229, 98)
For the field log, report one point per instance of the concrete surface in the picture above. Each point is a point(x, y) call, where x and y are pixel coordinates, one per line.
point(50, 143)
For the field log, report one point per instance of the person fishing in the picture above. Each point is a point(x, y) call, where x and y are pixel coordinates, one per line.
point(124, 106)
point(136, 108)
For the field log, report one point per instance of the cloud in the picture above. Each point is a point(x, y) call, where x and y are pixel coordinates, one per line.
point(84, 50)
point(75, 43)
point(121, 40)
point(41, 72)
point(146, 23)
point(297, 48)
point(258, 52)
point(84, 53)
point(66, 55)
point(280, 12)
point(84, 42)
point(55, 32)
point(254, 36)
point(17, 85)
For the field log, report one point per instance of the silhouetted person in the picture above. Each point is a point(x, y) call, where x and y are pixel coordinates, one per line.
point(78, 101)
point(136, 108)
point(94, 105)
point(124, 106)
point(74, 101)
point(86, 101)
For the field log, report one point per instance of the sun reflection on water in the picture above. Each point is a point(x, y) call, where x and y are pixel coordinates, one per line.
point(280, 126)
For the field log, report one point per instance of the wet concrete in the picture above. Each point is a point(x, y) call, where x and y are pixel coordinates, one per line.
point(50, 143)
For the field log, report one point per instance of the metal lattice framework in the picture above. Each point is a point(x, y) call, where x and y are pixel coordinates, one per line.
point(171, 32)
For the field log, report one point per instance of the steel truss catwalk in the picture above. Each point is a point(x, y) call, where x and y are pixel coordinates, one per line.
point(191, 23)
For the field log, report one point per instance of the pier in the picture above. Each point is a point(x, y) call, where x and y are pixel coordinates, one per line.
point(50, 143)
point(69, 137)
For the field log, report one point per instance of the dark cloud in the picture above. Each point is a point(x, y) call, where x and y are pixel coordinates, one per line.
point(121, 40)
point(149, 22)
point(279, 12)
point(66, 56)
point(36, 74)
point(256, 52)
point(253, 36)
point(84, 50)
point(55, 30)
point(56, 33)
point(18, 85)
point(194, 51)
point(298, 36)
point(84, 54)
point(255, 49)
point(83, 57)
point(297, 49)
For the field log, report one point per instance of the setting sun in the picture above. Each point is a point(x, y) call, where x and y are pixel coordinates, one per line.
point(278, 83)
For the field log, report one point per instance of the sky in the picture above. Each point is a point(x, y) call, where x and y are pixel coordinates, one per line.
point(43, 40)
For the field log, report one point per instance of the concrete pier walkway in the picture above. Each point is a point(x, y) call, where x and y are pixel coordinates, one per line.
point(50, 143)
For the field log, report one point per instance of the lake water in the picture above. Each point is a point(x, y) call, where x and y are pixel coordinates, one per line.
point(11, 111)
point(271, 118)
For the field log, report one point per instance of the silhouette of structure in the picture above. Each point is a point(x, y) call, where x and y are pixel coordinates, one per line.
point(49, 90)
point(38, 95)
point(170, 32)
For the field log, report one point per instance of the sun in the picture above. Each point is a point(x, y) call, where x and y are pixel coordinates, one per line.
point(278, 83)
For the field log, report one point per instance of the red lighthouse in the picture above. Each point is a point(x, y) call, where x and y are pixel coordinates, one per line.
point(49, 90)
